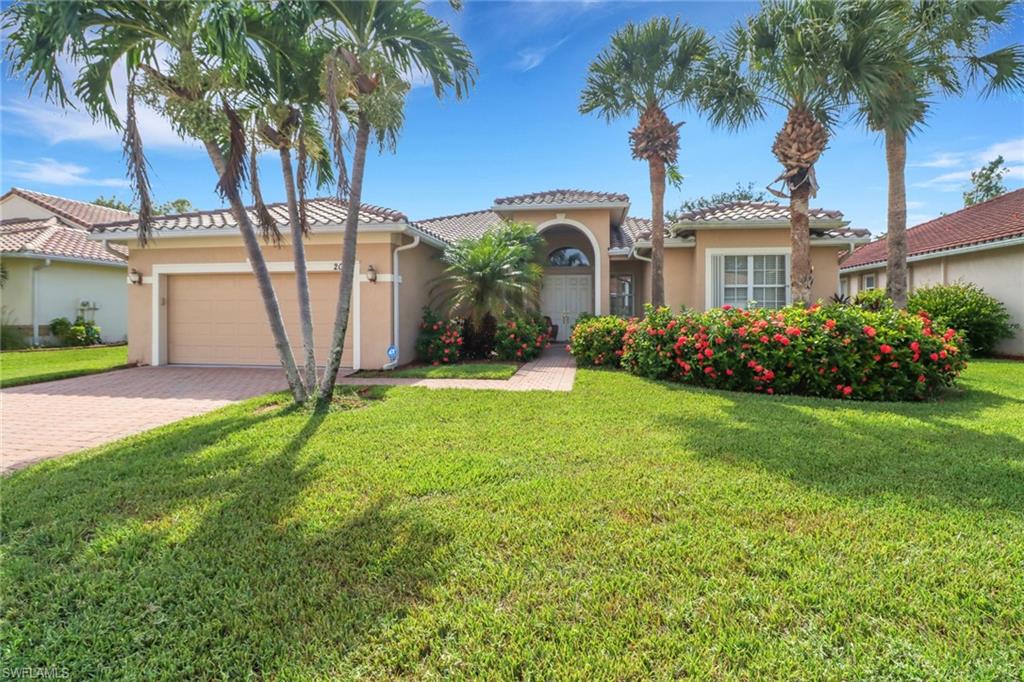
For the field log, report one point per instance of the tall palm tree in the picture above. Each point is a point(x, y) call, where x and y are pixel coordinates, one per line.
point(378, 43)
point(799, 57)
point(646, 70)
point(937, 47)
point(205, 53)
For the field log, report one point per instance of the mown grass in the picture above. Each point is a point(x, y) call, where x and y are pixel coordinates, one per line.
point(34, 366)
point(466, 370)
point(629, 529)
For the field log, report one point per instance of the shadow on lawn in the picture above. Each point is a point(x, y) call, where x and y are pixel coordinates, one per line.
point(925, 453)
point(255, 566)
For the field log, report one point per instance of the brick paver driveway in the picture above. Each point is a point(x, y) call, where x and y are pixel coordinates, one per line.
point(45, 420)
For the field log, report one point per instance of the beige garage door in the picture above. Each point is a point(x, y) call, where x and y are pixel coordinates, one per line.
point(220, 319)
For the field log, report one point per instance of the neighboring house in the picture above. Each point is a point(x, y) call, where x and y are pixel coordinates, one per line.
point(983, 244)
point(197, 302)
point(54, 270)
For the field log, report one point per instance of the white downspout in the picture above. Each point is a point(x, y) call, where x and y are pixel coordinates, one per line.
point(112, 252)
point(35, 300)
point(394, 297)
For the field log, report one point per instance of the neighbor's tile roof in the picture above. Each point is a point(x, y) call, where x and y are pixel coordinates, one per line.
point(52, 237)
point(630, 231)
point(320, 212)
point(560, 197)
point(77, 213)
point(451, 228)
point(753, 211)
point(993, 220)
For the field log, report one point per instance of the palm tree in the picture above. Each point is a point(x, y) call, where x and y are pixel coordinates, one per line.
point(206, 52)
point(378, 43)
point(796, 56)
point(937, 47)
point(646, 70)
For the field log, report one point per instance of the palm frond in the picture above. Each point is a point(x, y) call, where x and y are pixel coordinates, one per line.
point(233, 177)
point(138, 172)
point(268, 226)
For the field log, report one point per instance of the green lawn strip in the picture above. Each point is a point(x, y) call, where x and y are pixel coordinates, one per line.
point(629, 529)
point(467, 370)
point(34, 366)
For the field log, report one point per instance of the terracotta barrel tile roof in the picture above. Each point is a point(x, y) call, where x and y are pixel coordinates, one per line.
point(321, 212)
point(630, 231)
point(561, 197)
point(993, 220)
point(451, 228)
point(753, 211)
point(77, 213)
point(51, 237)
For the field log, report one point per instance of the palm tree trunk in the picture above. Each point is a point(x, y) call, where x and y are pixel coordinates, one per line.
point(800, 272)
point(348, 261)
point(657, 173)
point(262, 274)
point(896, 237)
point(301, 272)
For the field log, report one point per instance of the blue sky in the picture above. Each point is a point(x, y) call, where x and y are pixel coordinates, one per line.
point(519, 131)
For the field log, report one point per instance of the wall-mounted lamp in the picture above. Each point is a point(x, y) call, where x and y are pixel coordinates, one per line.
point(134, 276)
point(371, 274)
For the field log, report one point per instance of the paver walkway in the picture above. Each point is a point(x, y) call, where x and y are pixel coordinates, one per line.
point(40, 421)
point(555, 370)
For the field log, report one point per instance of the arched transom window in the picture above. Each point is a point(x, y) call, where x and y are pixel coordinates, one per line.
point(568, 257)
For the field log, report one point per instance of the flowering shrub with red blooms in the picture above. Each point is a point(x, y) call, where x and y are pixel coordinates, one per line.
point(520, 339)
point(831, 351)
point(597, 341)
point(439, 340)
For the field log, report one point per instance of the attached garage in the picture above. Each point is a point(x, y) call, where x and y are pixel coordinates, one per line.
point(219, 318)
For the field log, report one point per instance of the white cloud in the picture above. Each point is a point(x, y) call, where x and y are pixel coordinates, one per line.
point(531, 57)
point(47, 171)
point(956, 181)
point(1012, 151)
point(942, 160)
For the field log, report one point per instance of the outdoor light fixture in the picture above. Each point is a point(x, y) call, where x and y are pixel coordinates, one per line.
point(134, 276)
point(371, 274)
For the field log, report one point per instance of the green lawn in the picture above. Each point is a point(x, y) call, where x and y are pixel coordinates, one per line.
point(629, 529)
point(467, 370)
point(33, 366)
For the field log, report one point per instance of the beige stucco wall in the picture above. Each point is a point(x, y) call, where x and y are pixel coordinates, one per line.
point(60, 287)
point(417, 268)
point(1000, 272)
point(17, 207)
point(375, 298)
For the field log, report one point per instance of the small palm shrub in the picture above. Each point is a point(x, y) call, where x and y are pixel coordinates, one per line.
point(983, 320)
point(521, 339)
point(873, 299)
point(439, 340)
point(597, 341)
point(81, 332)
point(829, 351)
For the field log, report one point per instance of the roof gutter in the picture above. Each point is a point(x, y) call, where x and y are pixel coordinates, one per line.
point(956, 251)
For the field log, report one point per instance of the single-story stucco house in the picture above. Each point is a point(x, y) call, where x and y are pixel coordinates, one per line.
point(196, 301)
point(983, 244)
point(54, 270)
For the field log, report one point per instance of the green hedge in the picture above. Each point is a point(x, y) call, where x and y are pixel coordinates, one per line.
point(983, 320)
point(597, 341)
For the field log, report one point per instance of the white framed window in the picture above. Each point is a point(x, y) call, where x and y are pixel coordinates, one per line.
point(622, 295)
point(747, 279)
point(869, 282)
point(844, 287)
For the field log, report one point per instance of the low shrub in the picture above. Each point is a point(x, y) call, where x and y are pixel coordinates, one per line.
point(830, 351)
point(597, 341)
point(11, 337)
point(81, 332)
point(982, 319)
point(873, 299)
point(439, 340)
point(521, 339)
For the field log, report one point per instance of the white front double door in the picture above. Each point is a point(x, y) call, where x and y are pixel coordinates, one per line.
point(564, 298)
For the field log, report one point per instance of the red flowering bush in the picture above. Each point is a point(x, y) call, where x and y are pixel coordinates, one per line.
point(597, 341)
point(520, 339)
point(439, 340)
point(831, 351)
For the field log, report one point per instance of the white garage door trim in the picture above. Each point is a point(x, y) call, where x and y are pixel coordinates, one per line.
point(158, 281)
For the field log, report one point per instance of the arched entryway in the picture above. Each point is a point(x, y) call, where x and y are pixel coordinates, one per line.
point(572, 271)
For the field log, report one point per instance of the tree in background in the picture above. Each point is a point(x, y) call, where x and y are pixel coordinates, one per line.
point(936, 49)
point(166, 208)
point(798, 57)
point(646, 70)
point(987, 182)
point(739, 193)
